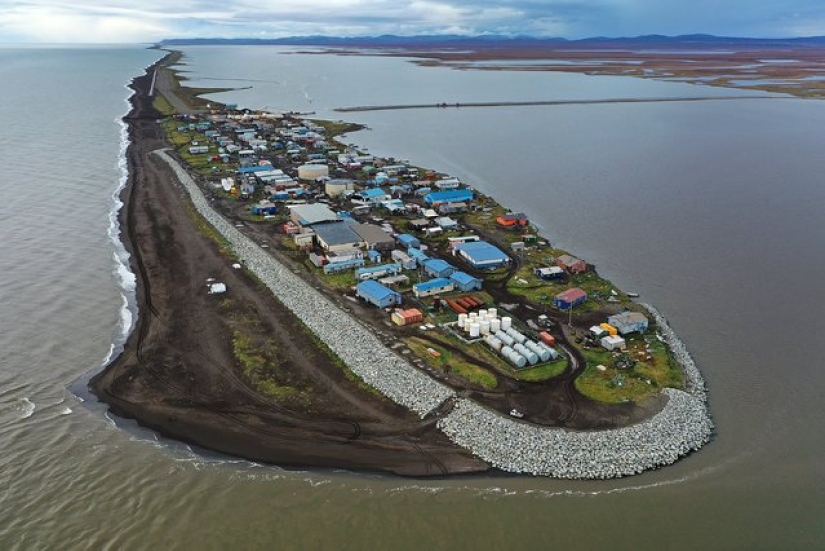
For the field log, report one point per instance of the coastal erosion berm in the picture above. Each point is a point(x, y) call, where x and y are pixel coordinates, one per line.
point(682, 426)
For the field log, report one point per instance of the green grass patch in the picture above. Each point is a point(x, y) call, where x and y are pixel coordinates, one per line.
point(450, 362)
point(622, 385)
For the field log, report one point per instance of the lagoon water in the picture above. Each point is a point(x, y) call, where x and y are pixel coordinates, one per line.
point(711, 210)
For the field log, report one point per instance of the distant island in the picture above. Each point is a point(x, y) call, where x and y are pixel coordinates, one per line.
point(790, 66)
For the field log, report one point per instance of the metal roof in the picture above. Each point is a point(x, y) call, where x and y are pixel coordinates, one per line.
point(313, 213)
point(481, 252)
point(374, 290)
point(337, 234)
point(433, 284)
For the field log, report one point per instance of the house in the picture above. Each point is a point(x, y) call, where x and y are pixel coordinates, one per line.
point(377, 272)
point(481, 255)
point(435, 267)
point(452, 208)
point(198, 149)
point(394, 280)
point(447, 183)
point(406, 240)
point(464, 282)
point(343, 266)
point(419, 225)
point(371, 196)
point(449, 196)
point(571, 264)
point(432, 287)
point(629, 322)
point(569, 298)
point(309, 215)
point(377, 294)
point(337, 237)
point(374, 237)
point(404, 259)
point(552, 272)
point(446, 223)
point(417, 255)
point(613, 342)
point(513, 220)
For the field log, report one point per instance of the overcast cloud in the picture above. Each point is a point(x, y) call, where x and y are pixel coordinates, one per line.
point(112, 21)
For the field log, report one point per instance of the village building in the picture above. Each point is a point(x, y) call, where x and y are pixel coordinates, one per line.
point(374, 237)
point(571, 264)
point(515, 219)
point(377, 294)
point(464, 282)
point(433, 287)
point(435, 267)
point(481, 255)
point(629, 322)
point(569, 298)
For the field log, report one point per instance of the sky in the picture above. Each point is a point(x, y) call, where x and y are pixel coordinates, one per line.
point(119, 21)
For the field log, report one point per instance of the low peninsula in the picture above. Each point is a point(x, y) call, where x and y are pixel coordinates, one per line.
point(305, 304)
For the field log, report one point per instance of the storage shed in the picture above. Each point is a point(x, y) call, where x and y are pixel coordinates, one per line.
point(432, 287)
point(569, 298)
point(629, 322)
point(613, 342)
point(377, 294)
point(377, 272)
point(482, 255)
point(465, 282)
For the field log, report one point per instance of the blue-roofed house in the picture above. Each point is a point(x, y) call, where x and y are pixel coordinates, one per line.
point(435, 267)
point(482, 255)
point(417, 255)
point(377, 294)
point(406, 240)
point(449, 196)
point(464, 282)
point(371, 196)
point(432, 287)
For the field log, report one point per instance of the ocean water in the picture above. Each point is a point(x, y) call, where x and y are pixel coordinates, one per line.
point(711, 210)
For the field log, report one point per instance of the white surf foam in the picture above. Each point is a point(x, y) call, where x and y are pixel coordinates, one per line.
point(27, 408)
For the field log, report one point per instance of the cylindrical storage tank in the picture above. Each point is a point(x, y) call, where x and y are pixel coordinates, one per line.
point(494, 343)
point(485, 327)
point(473, 316)
point(552, 351)
point(482, 312)
point(475, 329)
point(531, 356)
point(506, 323)
point(516, 359)
point(541, 352)
point(336, 188)
point(462, 319)
point(518, 337)
point(492, 312)
point(313, 171)
point(505, 338)
point(495, 325)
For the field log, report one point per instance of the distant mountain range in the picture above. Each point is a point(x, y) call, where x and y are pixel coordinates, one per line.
point(498, 41)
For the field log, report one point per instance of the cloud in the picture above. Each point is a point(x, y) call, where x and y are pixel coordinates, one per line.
point(120, 21)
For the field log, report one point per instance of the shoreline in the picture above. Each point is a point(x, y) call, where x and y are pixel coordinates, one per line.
point(155, 383)
point(454, 420)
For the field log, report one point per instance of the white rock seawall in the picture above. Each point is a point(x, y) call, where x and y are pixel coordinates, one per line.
point(682, 426)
